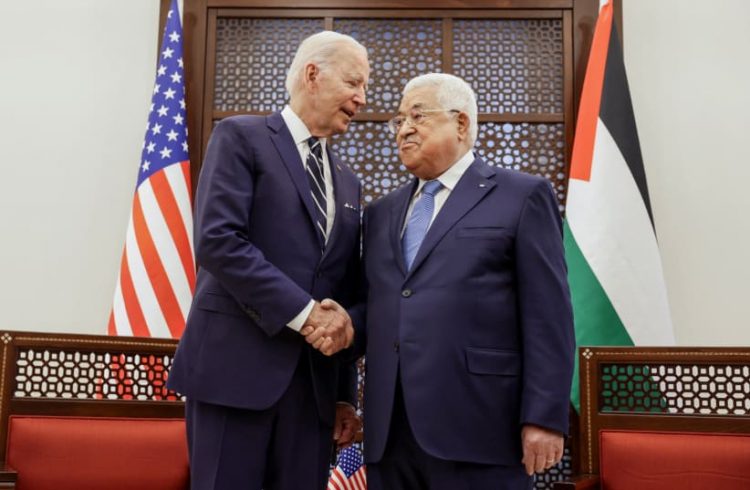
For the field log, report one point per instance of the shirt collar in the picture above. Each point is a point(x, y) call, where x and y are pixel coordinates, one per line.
point(450, 177)
point(300, 133)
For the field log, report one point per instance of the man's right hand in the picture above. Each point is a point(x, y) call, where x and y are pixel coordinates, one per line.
point(328, 328)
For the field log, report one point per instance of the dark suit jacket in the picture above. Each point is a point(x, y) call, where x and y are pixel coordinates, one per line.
point(480, 328)
point(260, 263)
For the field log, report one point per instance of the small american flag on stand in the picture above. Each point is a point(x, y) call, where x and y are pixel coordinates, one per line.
point(157, 271)
point(349, 473)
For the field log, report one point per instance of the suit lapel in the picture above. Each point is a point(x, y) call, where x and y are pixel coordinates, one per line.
point(398, 215)
point(285, 146)
point(471, 188)
point(338, 197)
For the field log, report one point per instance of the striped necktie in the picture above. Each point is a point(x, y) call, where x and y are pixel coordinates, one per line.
point(419, 221)
point(317, 182)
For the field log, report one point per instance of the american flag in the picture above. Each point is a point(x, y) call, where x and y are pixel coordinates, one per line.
point(349, 473)
point(157, 271)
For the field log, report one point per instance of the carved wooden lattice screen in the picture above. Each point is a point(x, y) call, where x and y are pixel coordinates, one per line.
point(84, 376)
point(516, 61)
point(683, 389)
point(525, 61)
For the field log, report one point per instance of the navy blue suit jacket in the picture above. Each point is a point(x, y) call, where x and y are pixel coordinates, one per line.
point(260, 263)
point(480, 327)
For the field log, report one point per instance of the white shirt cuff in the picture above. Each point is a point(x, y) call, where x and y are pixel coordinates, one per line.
point(299, 321)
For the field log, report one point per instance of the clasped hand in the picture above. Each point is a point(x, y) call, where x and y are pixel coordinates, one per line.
point(328, 328)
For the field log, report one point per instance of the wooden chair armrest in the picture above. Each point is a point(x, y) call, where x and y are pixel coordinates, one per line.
point(581, 482)
point(8, 477)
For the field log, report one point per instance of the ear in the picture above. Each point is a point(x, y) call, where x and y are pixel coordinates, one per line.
point(311, 74)
point(463, 126)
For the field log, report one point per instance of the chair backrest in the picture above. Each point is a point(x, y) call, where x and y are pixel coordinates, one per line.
point(90, 412)
point(658, 418)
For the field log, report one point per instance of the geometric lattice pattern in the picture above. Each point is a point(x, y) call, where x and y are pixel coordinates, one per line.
point(252, 58)
point(515, 66)
point(360, 384)
point(561, 471)
point(398, 50)
point(92, 375)
point(370, 151)
point(676, 388)
point(534, 148)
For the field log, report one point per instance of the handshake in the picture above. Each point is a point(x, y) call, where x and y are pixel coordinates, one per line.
point(328, 328)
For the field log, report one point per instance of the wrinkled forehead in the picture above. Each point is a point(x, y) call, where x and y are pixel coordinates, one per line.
point(419, 98)
point(351, 59)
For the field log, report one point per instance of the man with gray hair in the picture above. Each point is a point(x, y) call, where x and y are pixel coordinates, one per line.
point(276, 231)
point(466, 320)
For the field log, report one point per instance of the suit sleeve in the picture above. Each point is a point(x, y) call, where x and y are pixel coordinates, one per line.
point(545, 311)
point(347, 389)
point(222, 213)
point(358, 308)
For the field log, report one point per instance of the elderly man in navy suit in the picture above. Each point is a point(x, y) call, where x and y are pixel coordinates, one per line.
point(277, 229)
point(468, 323)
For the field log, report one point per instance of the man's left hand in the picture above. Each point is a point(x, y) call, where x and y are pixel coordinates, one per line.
point(542, 448)
point(346, 425)
point(329, 339)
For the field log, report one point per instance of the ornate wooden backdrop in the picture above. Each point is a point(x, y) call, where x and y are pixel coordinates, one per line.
point(524, 58)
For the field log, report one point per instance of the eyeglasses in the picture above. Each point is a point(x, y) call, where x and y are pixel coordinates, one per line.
point(415, 118)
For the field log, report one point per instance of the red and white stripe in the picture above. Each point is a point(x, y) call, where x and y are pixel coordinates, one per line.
point(339, 481)
point(157, 271)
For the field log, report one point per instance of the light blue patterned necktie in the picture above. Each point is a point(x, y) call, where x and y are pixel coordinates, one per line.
point(419, 221)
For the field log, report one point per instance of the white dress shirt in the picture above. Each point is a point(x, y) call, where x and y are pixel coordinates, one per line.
point(449, 179)
point(300, 135)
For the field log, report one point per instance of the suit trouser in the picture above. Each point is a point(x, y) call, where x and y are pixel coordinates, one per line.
point(285, 447)
point(406, 466)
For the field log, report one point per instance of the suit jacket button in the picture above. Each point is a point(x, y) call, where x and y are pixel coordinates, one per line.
point(406, 293)
point(395, 347)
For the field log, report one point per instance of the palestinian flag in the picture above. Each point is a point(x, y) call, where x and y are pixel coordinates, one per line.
point(615, 273)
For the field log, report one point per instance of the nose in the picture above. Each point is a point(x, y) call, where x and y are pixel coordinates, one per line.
point(405, 129)
point(360, 98)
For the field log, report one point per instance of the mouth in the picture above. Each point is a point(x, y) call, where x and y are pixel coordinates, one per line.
point(407, 145)
point(350, 114)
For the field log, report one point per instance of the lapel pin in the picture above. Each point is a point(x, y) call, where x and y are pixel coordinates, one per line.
point(349, 206)
point(482, 185)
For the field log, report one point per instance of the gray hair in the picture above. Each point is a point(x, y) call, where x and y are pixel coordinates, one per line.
point(452, 93)
point(321, 49)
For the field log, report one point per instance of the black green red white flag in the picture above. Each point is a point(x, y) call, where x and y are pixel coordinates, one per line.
point(615, 271)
